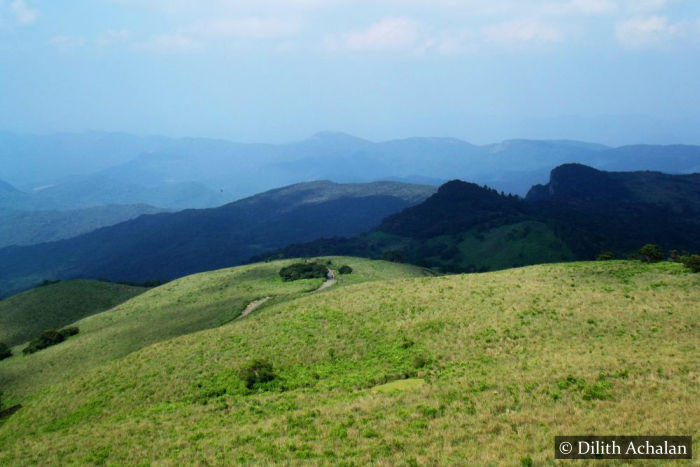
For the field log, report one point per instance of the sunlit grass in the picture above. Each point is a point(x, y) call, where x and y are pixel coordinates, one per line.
point(483, 368)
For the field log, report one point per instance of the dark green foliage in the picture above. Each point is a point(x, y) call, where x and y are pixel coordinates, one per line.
point(526, 461)
point(48, 338)
point(674, 256)
point(345, 269)
point(583, 211)
point(5, 351)
point(419, 361)
point(651, 253)
point(605, 256)
point(692, 262)
point(394, 256)
point(256, 372)
point(303, 271)
point(69, 331)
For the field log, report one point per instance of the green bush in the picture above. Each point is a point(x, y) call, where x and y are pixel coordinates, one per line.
point(691, 262)
point(299, 271)
point(48, 338)
point(256, 372)
point(651, 253)
point(345, 269)
point(393, 256)
point(69, 331)
point(605, 256)
point(5, 351)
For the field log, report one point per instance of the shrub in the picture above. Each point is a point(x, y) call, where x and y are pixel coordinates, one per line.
point(48, 338)
point(298, 271)
point(419, 361)
point(691, 262)
point(257, 371)
point(5, 351)
point(69, 331)
point(393, 256)
point(605, 256)
point(345, 269)
point(651, 253)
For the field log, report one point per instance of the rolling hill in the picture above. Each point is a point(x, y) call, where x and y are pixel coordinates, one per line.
point(184, 306)
point(581, 212)
point(32, 227)
point(169, 245)
point(483, 368)
point(53, 306)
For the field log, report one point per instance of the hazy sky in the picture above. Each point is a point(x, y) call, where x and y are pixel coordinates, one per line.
point(614, 71)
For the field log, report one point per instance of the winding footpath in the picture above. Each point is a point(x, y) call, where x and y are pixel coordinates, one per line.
point(330, 280)
point(252, 306)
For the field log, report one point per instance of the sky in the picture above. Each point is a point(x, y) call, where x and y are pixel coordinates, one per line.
point(609, 71)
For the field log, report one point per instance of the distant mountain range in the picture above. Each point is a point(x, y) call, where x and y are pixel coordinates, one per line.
point(70, 171)
point(579, 213)
point(461, 227)
point(168, 245)
point(32, 227)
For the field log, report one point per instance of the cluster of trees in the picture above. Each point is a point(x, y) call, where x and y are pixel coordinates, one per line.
point(299, 271)
point(5, 351)
point(48, 338)
point(651, 253)
point(45, 339)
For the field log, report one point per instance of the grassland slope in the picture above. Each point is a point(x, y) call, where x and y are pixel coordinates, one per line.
point(24, 316)
point(191, 304)
point(483, 368)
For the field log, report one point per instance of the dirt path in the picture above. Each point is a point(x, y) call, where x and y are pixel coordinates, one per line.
point(330, 280)
point(252, 306)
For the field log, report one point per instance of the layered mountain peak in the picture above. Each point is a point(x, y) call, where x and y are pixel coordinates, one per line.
point(578, 182)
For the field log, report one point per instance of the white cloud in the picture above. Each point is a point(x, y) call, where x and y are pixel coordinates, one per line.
point(388, 34)
point(22, 13)
point(647, 31)
point(247, 27)
point(66, 43)
point(585, 7)
point(113, 37)
point(170, 43)
point(519, 31)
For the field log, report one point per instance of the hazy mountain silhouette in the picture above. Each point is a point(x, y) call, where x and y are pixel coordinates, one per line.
point(168, 245)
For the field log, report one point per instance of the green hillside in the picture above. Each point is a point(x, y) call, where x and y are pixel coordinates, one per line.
point(483, 368)
point(53, 306)
point(191, 304)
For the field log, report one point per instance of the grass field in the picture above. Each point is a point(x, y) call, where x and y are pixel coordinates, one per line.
point(53, 306)
point(197, 302)
point(480, 368)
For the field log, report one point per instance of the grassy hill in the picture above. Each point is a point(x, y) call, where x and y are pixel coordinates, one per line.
point(53, 306)
point(191, 304)
point(430, 370)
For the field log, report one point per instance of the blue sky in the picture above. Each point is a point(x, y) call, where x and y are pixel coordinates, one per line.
point(614, 71)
